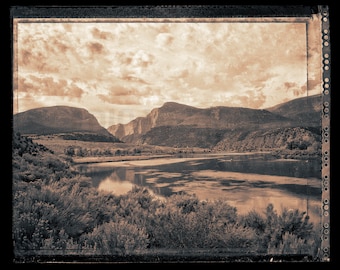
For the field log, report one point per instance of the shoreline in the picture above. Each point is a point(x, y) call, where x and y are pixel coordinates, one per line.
point(184, 156)
point(89, 160)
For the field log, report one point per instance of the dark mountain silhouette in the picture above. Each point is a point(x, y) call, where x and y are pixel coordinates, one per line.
point(72, 122)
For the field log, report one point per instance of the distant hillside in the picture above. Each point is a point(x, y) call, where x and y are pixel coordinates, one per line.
point(183, 117)
point(306, 111)
point(291, 138)
point(181, 136)
point(291, 125)
point(76, 122)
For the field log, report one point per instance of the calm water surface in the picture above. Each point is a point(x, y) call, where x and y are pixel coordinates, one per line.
point(249, 182)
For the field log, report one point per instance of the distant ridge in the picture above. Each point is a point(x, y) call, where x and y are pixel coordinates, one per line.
point(60, 120)
point(180, 125)
point(305, 110)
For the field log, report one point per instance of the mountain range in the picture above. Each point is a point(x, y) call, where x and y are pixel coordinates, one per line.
point(180, 125)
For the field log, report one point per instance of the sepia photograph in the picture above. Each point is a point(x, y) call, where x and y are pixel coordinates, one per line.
point(170, 133)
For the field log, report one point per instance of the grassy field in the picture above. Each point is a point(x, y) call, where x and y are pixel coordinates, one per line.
point(58, 146)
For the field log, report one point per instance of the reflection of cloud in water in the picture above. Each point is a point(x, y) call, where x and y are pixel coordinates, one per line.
point(195, 163)
point(170, 174)
point(119, 187)
point(161, 185)
point(116, 187)
point(160, 174)
point(247, 198)
point(203, 189)
point(150, 172)
point(151, 179)
point(256, 178)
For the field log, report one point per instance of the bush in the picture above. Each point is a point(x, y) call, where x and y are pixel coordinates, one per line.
point(114, 238)
point(291, 244)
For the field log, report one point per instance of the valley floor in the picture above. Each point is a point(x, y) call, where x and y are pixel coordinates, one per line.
point(91, 152)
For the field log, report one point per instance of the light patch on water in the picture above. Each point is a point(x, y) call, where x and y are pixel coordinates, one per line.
point(285, 159)
point(109, 164)
point(195, 163)
point(161, 185)
point(152, 179)
point(163, 175)
point(122, 187)
point(203, 189)
point(160, 174)
point(170, 174)
point(252, 177)
point(258, 201)
point(150, 172)
point(182, 182)
point(246, 199)
point(116, 187)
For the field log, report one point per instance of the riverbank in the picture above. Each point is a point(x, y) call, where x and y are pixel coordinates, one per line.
point(174, 157)
point(87, 160)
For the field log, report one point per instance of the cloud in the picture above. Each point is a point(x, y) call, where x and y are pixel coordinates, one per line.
point(33, 60)
point(314, 84)
point(133, 79)
point(95, 47)
point(74, 91)
point(295, 88)
point(48, 86)
point(25, 86)
point(26, 102)
point(249, 98)
point(67, 27)
point(98, 34)
point(120, 100)
point(142, 59)
point(59, 46)
point(122, 95)
point(124, 57)
point(178, 72)
point(164, 40)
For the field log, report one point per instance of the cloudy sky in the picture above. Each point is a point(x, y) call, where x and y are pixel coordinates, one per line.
point(121, 70)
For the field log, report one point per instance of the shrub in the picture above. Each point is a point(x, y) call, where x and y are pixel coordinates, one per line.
point(116, 238)
point(291, 244)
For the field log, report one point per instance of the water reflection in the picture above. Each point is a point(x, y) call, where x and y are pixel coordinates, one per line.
point(247, 182)
point(117, 187)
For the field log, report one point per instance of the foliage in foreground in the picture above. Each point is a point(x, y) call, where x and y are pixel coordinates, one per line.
point(57, 211)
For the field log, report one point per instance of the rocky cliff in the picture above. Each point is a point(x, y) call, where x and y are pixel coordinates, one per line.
point(182, 117)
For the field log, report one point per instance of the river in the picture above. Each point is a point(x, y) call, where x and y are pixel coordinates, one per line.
point(246, 181)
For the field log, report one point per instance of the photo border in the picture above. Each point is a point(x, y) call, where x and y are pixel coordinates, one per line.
point(199, 13)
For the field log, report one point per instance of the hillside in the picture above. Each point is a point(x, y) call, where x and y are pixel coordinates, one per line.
point(306, 111)
point(183, 117)
point(291, 125)
point(73, 123)
point(290, 138)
